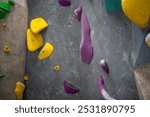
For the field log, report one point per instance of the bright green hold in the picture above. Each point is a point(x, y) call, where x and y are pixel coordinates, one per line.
point(11, 2)
point(2, 14)
point(5, 6)
point(2, 75)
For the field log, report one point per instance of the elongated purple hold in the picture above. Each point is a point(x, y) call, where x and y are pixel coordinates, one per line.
point(64, 3)
point(78, 12)
point(104, 66)
point(69, 88)
point(86, 48)
point(102, 89)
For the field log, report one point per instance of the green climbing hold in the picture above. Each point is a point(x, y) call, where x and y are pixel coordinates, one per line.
point(2, 75)
point(2, 14)
point(5, 6)
point(113, 5)
point(11, 2)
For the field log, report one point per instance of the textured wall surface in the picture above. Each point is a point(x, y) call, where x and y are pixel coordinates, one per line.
point(112, 40)
point(14, 35)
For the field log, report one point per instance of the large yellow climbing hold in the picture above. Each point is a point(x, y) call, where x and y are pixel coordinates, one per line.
point(38, 25)
point(19, 90)
point(138, 11)
point(46, 51)
point(34, 41)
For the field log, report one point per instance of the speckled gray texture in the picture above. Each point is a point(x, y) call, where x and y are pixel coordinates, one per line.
point(111, 38)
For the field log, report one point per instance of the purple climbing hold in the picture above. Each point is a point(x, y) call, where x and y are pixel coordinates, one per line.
point(69, 88)
point(86, 47)
point(104, 66)
point(64, 3)
point(78, 12)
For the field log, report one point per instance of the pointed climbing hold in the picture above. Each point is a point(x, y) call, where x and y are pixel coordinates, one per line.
point(2, 74)
point(78, 12)
point(69, 88)
point(26, 77)
point(6, 49)
point(19, 90)
point(147, 40)
point(2, 14)
point(34, 41)
point(46, 51)
point(11, 2)
point(5, 6)
point(104, 66)
point(86, 47)
point(38, 25)
point(64, 3)
point(102, 89)
point(57, 68)
point(138, 11)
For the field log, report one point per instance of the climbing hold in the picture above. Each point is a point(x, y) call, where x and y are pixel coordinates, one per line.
point(102, 89)
point(6, 49)
point(138, 11)
point(2, 74)
point(86, 47)
point(104, 66)
point(78, 13)
point(46, 51)
point(147, 40)
point(5, 6)
point(2, 14)
point(26, 78)
point(38, 25)
point(112, 5)
point(11, 2)
point(19, 90)
point(64, 3)
point(34, 41)
point(69, 88)
point(4, 25)
point(57, 67)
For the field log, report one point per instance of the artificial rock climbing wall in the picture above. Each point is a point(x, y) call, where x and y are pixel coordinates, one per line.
point(13, 35)
point(111, 38)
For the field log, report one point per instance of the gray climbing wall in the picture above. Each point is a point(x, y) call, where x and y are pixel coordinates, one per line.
point(112, 40)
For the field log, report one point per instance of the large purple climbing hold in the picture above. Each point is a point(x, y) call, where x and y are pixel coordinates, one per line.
point(69, 88)
point(64, 3)
point(78, 12)
point(86, 48)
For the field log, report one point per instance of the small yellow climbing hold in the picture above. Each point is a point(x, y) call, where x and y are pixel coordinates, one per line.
point(34, 41)
point(147, 40)
point(4, 25)
point(57, 67)
point(19, 90)
point(6, 49)
point(26, 78)
point(38, 25)
point(46, 51)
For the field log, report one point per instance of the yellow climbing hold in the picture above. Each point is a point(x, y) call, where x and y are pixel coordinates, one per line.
point(147, 40)
point(6, 49)
point(138, 11)
point(19, 90)
point(46, 51)
point(4, 25)
point(57, 67)
point(34, 41)
point(38, 25)
point(26, 78)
